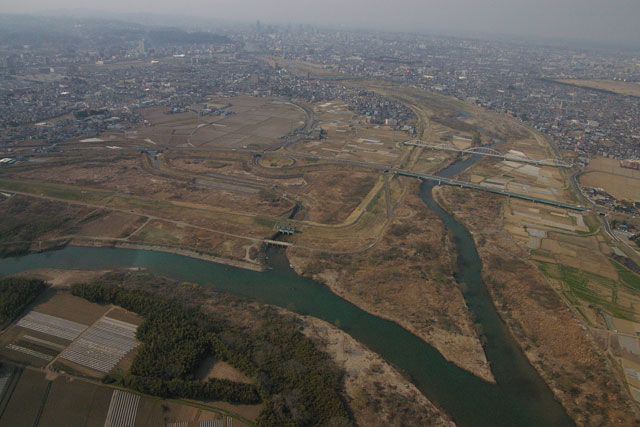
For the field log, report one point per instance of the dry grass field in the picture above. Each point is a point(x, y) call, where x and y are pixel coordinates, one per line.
point(621, 183)
point(252, 122)
point(623, 88)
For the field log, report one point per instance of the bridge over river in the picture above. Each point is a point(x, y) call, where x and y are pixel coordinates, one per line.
point(449, 181)
point(490, 152)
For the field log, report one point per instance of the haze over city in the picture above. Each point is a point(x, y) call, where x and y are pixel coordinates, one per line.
point(596, 20)
point(311, 214)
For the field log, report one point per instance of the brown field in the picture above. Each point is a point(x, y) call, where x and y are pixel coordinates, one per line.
point(130, 176)
point(123, 315)
point(66, 306)
point(621, 183)
point(109, 224)
point(257, 122)
point(24, 403)
point(75, 403)
point(334, 196)
point(623, 88)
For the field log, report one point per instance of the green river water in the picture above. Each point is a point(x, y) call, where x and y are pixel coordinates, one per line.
point(520, 397)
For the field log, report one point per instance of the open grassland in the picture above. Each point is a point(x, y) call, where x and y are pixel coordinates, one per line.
point(75, 403)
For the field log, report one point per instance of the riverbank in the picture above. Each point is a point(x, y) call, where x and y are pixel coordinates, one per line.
point(406, 278)
point(184, 252)
point(376, 392)
point(61, 278)
point(552, 338)
point(469, 400)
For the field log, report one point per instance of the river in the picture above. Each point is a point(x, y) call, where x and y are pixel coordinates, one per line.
point(519, 398)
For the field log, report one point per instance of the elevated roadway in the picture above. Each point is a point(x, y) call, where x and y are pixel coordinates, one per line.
point(377, 166)
point(449, 181)
point(489, 152)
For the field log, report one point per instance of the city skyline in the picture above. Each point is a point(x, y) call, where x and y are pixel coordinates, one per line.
point(590, 20)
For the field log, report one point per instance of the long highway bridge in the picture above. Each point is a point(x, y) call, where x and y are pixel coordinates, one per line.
point(378, 166)
point(449, 181)
point(490, 152)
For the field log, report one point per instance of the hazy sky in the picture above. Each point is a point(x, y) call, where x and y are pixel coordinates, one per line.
point(610, 20)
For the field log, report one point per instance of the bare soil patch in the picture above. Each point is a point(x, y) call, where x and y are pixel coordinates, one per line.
point(212, 368)
point(66, 306)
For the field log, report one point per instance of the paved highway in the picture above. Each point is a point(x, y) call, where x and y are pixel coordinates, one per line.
point(357, 163)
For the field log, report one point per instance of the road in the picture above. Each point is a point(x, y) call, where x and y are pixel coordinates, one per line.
point(376, 166)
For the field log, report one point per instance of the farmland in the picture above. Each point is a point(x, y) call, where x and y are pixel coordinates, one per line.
point(621, 183)
point(231, 313)
point(57, 351)
point(72, 402)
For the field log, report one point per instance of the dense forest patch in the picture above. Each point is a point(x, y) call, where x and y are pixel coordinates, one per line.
point(15, 294)
point(298, 384)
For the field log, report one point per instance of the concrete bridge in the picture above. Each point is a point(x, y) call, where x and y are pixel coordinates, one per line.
point(490, 152)
point(462, 184)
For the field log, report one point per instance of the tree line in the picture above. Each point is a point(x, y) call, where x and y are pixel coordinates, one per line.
point(15, 294)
